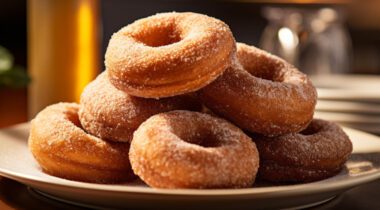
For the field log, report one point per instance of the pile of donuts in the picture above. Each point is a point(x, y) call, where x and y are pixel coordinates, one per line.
point(182, 105)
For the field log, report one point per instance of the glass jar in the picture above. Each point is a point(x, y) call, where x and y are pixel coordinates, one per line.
point(313, 39)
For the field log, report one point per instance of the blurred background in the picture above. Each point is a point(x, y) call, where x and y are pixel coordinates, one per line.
point(50, 49)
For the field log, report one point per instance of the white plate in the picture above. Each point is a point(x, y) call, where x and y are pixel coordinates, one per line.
point(348, 87)
point(348, 107)
point(17, 163)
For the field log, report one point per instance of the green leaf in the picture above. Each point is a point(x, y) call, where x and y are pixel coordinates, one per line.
point(6, 59)
point(15, 77)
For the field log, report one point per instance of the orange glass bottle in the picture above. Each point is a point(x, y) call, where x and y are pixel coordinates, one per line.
point(63, 50)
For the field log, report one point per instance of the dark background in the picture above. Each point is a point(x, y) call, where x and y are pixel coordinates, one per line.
point(244, 18)
point(13, 28)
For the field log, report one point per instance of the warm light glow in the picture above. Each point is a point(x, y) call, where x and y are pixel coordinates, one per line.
point(328, 14)
point(86, 63)
point(359, 168)
point(318, 25)
point(287, 39)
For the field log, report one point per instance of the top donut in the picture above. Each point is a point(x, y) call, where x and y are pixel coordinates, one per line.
point(169, 54)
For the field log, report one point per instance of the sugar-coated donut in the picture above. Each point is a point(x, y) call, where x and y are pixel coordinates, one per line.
point(318, 152)
point(112, 114)
point(63, 149)
point(169, 54)
point(183, 149)
point(262, 93)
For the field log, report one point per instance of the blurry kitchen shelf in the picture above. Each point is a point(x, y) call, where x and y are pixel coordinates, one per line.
point(370, 95)
point(347, 81)
point(355, 88)
point(370, 128)
point(349, 117)
point(348, 106)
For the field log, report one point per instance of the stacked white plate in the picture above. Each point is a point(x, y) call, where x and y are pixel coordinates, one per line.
point(350, 100)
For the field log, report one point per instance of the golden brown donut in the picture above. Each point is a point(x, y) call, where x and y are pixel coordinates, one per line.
point(271, 97)
point(169, 54)
point(62, 148)
point(111, 114)
point(318, 152)
point(183, 149)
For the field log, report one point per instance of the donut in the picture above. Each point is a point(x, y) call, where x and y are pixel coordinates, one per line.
point(169, 54)
point(113, 115)
point(63, 149)
point(262, 93)
point(183, 149)
point(318, 152)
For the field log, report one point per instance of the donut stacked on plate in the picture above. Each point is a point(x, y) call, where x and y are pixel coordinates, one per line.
point(143, 115)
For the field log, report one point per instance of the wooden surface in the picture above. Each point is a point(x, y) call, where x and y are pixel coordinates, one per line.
point(14, 195)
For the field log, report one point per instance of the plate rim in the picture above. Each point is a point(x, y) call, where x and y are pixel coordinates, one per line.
point(318, 186)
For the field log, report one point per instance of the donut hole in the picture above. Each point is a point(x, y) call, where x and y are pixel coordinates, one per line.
point(311, 129)
point(199, 135)
point(261, 64)
point(159, 36)
point(203, 139)
point(194, 132)
point(73, 117)
point(272, 73)
point(264, 73)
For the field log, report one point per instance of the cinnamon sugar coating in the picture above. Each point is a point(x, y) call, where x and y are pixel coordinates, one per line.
point(183, 149)
point(169, 54)
point(114, 115)
point(262, 93)
point(136, 118)
point(318, 152)
point(63, 149)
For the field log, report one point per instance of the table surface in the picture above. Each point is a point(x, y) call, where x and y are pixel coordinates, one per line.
point(14, 195)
